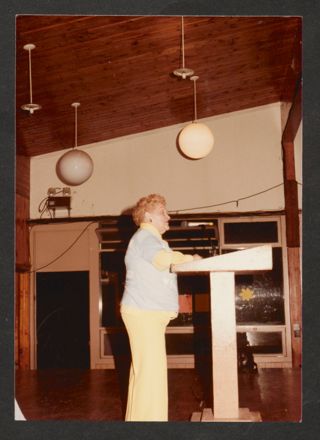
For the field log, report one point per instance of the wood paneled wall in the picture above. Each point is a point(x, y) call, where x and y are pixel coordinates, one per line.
point(22, 212)
point(22, 323)
point(22, 233)
point(22, 293)
point(23, 175)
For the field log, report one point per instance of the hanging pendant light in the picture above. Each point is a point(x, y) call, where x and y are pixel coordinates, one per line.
point(31, 107)
point(196, 139)
point(75, 166)
point(183, 71)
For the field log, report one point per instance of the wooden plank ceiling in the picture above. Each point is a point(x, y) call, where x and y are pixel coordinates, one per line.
point(120, 69)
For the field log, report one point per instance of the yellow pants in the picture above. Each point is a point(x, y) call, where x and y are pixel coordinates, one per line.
point(148, 382)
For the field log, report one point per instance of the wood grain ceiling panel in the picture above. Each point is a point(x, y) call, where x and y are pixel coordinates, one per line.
point(120, 69)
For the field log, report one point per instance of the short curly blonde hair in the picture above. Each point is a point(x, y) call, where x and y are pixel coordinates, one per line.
point(146, 204)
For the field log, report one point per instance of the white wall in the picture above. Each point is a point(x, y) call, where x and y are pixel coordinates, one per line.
point(246, 159)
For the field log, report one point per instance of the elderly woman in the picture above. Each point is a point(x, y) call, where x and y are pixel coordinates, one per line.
point(149, 302)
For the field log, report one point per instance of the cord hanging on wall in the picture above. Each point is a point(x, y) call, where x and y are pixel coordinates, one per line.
point(196, 139)
point(76, 166)
point(183, 71)
point(31, 107)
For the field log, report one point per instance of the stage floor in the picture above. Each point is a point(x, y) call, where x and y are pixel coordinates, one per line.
point(98, 395)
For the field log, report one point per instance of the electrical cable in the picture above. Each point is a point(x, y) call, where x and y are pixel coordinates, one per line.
point(236, 201)
point(65, 251)
point(40, 208)
point(46, 208)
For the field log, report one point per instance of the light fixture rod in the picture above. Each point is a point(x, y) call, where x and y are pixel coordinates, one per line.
point(31, 107)
point(30, 74)
point(194, 79)
point(182, 40)
point(183, 71)
point(75, 105)
point(195, 100)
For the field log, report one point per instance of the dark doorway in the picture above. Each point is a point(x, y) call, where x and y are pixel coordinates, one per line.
point(63, 320)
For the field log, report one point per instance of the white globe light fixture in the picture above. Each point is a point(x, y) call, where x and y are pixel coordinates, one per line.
point(76, 166)
point(196, 139)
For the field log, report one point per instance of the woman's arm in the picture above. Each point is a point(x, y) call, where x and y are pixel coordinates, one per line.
point(164, 258)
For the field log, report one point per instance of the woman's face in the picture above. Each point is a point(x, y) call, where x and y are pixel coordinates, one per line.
point(159, 218)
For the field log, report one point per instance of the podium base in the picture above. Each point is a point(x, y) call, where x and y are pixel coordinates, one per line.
point(245, 415)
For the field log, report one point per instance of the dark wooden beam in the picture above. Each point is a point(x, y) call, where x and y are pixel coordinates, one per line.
point(292, 223)
point(290, 196)
point(294, 117)
point(289, 175)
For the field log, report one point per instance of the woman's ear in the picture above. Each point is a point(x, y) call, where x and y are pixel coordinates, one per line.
point(148, 217)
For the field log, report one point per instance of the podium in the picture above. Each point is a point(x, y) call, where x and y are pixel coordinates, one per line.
point(222, 270)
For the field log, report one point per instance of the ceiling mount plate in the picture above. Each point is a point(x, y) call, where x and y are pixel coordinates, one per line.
point(31, 107)
point(184, 72)
point(29, 46)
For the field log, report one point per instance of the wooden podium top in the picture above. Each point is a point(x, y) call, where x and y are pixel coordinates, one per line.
point(252, 259)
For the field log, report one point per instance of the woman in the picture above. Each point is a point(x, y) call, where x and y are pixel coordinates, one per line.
point(149, 302)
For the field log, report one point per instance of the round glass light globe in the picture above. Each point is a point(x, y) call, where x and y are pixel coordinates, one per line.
point(74, 167)
point(196, 140)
